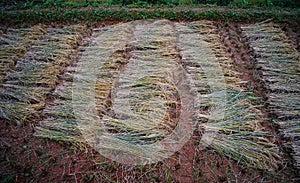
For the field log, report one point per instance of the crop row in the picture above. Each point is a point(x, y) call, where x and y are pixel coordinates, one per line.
point(231, 121)
point(129, 82)
point(278, 63)
point(14, 45)
point(31, 80)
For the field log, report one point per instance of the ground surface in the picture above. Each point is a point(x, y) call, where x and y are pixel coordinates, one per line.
point(36, 80)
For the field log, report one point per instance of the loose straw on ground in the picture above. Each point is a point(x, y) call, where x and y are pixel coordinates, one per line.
point(14, 44)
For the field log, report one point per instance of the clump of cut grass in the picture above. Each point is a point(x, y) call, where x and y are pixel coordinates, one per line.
point(34, 77)
point(278, 62)
point(226, 112)
point(14, 45)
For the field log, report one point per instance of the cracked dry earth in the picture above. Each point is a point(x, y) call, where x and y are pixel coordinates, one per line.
point(162, 101)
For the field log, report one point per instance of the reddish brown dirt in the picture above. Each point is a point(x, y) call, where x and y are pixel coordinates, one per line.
point(184, 166)
point(25, 158)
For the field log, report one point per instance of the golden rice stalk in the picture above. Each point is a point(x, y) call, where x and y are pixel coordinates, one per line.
point(36, 75)
point(100, 54)
point(231, 122)
point(279, 64)
point(14, 44)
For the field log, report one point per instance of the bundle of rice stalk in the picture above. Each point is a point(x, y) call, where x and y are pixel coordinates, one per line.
point(278, 62)
point(144, 99)
point(143, 92)
point(36, 75)
point(14, 44)
point(137, 104)
point(103, 52)
point(231, 122)
point(59, 119)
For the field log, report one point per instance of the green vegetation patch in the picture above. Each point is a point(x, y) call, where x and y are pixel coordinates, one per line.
point(123, 14)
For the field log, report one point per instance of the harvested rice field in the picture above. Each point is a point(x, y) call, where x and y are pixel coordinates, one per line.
point(150, 101)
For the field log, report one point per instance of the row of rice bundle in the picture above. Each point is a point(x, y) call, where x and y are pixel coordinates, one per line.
point(59, 121)
point(278, 63)
point(127, 94)
point(101, 54)
point(14, 44)
point(145, 94)
point(226, 111)
point(139, 124)
point(24, 93)
point(127, 73)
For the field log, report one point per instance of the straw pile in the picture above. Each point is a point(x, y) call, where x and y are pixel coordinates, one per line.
point(231, 122)
point(278, 62)
point(145, 91)
point(138, 106)
point(14, 44)
point(100, 53)
point(27, 86)
point(130, 91)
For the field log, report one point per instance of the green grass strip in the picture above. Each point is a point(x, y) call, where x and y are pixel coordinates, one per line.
point(123, 14)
